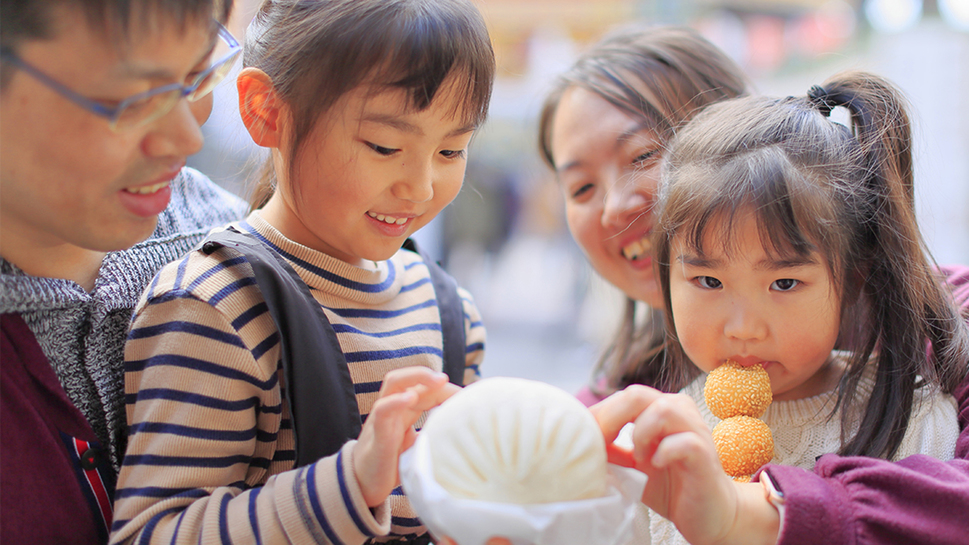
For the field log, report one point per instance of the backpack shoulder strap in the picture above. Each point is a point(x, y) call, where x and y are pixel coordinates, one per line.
point(319, 389)
point(452, 315)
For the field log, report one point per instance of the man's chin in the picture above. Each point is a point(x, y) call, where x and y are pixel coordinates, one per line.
point(126, 237)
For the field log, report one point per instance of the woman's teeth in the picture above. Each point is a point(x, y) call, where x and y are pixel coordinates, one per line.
point(147, 189)
point(387, 219)
point(637, 249)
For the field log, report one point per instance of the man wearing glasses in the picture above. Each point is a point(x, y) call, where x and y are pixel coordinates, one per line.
point(100, 104)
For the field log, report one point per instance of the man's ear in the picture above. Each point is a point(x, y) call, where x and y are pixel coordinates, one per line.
point(260, 107)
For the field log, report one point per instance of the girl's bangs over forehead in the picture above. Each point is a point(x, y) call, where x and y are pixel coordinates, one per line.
point(781, 160)
point(794, 217)
point(432, 44)
point(316, 51)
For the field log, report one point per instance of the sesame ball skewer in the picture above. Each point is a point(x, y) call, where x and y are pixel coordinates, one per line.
point(739, 396)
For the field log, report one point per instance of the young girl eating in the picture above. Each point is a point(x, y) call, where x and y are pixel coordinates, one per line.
point(252, 362)
point(789, 241)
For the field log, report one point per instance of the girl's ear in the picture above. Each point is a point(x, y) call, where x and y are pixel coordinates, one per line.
point(260, 107)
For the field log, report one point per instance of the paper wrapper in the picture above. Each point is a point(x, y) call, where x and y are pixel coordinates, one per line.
point(607, 520)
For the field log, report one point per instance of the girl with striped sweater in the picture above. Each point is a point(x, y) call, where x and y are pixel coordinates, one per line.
point(367, 108)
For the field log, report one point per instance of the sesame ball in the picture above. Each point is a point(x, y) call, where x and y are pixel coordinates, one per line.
point(744, 444)
point(733, 390)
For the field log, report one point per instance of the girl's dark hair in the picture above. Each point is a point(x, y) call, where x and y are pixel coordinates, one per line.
point(315, 51)
point(818, 187)
point(662, 75)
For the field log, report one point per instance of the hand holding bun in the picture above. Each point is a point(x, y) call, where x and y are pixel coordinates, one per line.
point(519, 441)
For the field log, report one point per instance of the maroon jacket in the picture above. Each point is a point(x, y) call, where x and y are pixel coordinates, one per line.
point(49, 450)
point(859, 500)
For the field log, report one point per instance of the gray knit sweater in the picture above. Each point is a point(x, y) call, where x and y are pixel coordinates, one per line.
point(83, 334)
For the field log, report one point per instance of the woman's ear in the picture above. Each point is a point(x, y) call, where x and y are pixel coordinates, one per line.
point(260, 107)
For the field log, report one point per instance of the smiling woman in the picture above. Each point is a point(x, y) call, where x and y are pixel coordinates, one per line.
point(603, 130)
point(608, 176)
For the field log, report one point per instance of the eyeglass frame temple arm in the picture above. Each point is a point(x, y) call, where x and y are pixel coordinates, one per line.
point(112, 113)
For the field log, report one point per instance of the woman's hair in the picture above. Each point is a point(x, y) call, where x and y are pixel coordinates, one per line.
point(662, 75)
point(819, 187)
point(315, 51)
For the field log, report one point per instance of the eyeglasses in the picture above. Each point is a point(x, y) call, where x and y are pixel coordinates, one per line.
point(148, 106)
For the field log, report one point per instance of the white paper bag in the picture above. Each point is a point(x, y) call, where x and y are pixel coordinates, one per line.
point(604, 521)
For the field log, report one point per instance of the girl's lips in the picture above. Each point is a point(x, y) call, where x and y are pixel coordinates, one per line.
point(393, 226)
point(389, 219)
point(748, 361)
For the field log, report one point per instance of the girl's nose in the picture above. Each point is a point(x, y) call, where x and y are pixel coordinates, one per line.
point(745, 323)
point(416, 183)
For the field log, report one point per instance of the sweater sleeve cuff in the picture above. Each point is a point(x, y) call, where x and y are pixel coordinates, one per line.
point(368, 521)
point(322, 503)
point(812, 506)
point(774, 496)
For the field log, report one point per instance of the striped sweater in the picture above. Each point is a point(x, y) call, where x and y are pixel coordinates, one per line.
point(211, 449)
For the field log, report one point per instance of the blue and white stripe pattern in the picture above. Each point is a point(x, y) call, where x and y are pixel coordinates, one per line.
point(211, 451)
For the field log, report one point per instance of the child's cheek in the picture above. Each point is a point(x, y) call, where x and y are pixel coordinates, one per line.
point(695, 336)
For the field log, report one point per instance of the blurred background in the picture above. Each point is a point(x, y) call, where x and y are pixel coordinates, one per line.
point(504, 238)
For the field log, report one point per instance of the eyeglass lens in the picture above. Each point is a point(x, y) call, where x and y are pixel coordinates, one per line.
point(154, 106)
point(208, 80)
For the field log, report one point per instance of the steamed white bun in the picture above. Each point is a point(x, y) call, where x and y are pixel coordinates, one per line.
point(512, 440)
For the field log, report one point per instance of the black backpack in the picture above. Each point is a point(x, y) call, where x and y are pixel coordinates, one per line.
point(320, 392)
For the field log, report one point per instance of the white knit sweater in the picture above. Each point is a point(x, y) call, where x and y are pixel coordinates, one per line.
point(804, 429)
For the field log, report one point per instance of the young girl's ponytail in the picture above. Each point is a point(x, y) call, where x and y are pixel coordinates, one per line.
point(905, 302)
point(845, 193)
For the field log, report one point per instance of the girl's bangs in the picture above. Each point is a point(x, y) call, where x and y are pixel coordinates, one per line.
point(429, 53)
point(425, 79)
point(790, 213)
